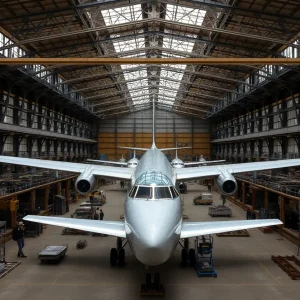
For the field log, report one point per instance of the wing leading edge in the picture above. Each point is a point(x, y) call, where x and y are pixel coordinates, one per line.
point(211, 171)
point(98, 170)
point(114, 228)
point(191, 229)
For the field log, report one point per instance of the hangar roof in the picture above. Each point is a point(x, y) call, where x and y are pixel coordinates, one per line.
point(167, 28)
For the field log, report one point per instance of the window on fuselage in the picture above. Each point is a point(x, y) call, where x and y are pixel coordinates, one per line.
point(133, 191)
point(174, 192)
point(144, 192)
point(162, 192)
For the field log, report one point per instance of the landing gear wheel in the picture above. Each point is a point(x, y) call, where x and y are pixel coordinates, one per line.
point(148, 281)
point(192, 257)
point(157, 281)
point(113, 256)
point(122, 257)
point(184, 257)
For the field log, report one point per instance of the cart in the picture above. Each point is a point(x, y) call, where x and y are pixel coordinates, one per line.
point(203, 256)
point(53, 253)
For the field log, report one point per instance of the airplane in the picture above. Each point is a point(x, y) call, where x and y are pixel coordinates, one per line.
point(153, 223)
point(177, 163)
point(132, 163)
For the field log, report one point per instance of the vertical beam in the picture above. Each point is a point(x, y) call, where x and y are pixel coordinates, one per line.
point(243, 193)
point(32, 199)
point(46, 196)
point(67, 189)
point(266, 199)
point(253, 197)
point(282, 208)
point(58, 188)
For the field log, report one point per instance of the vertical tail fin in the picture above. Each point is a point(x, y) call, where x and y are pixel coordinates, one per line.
point(153, 124)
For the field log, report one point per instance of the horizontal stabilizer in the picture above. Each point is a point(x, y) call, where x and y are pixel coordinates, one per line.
point(134, 148)
point(114, 228)
point(206, 162)
point(191, 229)
point(117, 163)
point(176, 148)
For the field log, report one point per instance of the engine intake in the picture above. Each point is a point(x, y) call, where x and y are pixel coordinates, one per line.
point(226, 183)
point(86, 182)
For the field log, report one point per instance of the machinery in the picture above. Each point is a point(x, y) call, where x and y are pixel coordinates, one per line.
point(203, 256)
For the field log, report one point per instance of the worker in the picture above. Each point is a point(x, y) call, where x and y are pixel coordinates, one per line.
point(18, 236)
point(209, 187)
point(122, 184)
point(101, 214)
point(253, 215)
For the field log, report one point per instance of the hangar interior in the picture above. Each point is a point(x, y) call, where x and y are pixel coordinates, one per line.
point(239, 113)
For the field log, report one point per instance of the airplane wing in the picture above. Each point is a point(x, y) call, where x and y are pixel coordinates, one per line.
point(191, 229)
point(117, 163)
point(203, 162)
point(104, 171)
point(114, 228)
point(212, 171)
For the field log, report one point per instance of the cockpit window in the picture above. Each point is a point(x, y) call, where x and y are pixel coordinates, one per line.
point(174, 192)
point(133, 191)
point(153, 192)
point(144, 192)
point(162, 192)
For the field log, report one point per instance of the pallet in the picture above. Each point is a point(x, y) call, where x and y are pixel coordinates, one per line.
point(266, 229)
point(284, 262)
point(235, 233)
point(9, 266)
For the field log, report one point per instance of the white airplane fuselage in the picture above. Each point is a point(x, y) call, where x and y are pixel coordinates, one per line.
point(153, 225)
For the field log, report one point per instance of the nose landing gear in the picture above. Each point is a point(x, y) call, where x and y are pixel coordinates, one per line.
point(117, 255)
point(154, 288)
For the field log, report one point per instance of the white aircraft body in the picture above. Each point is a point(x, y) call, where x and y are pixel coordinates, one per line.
point(153, 223)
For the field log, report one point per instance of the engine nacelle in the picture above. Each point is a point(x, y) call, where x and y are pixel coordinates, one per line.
point(226, 183)
point(86, 182)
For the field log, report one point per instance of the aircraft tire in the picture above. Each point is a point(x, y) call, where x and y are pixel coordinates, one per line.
point(148, 281)
point(122, 257)
point(113, 256)
point(184, 257)
point(192, 257)
point(157, 281)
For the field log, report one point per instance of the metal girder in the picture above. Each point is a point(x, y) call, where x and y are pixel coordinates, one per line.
point(168, 68)
point(129, 60)
point(136, 24)
point(252, 51)
point(179, 91)
point(248, 11)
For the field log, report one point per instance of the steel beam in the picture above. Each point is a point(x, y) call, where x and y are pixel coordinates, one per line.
point(147, 61)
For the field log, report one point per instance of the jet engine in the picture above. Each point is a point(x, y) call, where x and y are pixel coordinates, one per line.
point(226, 183)
point(86, 182)
point(182, 187)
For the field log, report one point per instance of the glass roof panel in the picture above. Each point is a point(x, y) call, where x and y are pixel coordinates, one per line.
point(122, 15)
point(185, 15)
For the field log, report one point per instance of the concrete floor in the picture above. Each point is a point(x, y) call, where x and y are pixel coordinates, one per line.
point(244, 265)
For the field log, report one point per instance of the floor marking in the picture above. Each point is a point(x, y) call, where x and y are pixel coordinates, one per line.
point(275, 278)
point(54, 281)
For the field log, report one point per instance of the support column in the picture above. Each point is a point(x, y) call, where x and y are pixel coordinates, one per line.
point(266, 199)
point(243, 193)
point(67, 189)
point(282, 208)
point(58, 188)
point(253, 197)
point(32, 199)
point(47, 188)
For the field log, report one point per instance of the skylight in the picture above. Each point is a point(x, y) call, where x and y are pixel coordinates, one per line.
point(185, 15)
point(122, 15)
point(137, 81)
